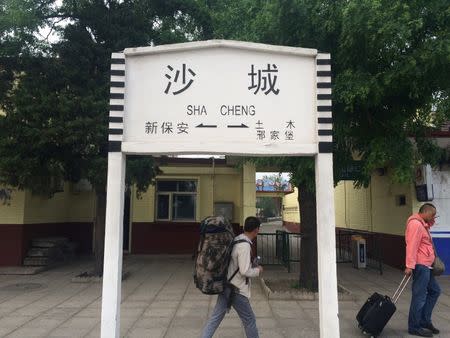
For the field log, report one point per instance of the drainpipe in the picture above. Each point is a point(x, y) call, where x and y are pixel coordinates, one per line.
point(345, 205)
point(371, 207)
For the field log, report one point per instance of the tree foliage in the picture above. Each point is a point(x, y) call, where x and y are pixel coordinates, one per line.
point(55, 92)
point(390, 66)
point(55, 95)
point(390, 61)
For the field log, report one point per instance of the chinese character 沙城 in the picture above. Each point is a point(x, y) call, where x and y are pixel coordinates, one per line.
point(264, 80)
point(183, 82)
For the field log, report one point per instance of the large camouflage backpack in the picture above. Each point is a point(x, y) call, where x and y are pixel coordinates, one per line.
point(213, 255)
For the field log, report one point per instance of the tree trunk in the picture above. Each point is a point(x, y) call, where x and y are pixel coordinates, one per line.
point(278, 205)
point(308, 249)
point(99, 231)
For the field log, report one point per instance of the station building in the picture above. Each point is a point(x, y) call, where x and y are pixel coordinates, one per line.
point(163, 220)
point(380, 211)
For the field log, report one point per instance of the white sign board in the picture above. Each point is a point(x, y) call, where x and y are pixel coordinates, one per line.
point(223, 99)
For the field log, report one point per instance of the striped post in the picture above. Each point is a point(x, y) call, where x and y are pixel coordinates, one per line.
point(112, 268)
point(324, 106)
point(326, 240)
point(116, 102)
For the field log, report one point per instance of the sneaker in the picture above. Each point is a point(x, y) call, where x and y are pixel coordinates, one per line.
point(431, 327)
point(421, 333)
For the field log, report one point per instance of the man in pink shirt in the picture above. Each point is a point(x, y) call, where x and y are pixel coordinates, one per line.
point(419, 260)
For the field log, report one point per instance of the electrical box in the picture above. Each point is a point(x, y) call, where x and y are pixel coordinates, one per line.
point(224, 209)
point(424, 183)
point(359, 252)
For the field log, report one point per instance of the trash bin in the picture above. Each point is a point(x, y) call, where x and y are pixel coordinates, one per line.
point(359, 252)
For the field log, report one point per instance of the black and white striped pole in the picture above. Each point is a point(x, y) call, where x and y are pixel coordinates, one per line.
point(112, 271)
point(326, 238)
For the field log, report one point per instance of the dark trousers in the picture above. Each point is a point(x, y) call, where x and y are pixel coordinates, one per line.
point(425, 293)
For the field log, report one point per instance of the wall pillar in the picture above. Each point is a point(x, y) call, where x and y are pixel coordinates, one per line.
point(248, 191)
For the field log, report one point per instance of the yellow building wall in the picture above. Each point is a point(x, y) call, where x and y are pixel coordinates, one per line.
point(389, 217)
point(291, 211)
point(227, 188)
point(13, 211)
point(40, 209)
point(205, 197)
point(214, 185)
point(248, 191)
point(143, 208)
point(339, 204)
point(81, 207)
point(222, 184)
point(375, 208)
point(62, 207)
point(357, 208)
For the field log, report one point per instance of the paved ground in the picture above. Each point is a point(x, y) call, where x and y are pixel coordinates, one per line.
point(160, 300)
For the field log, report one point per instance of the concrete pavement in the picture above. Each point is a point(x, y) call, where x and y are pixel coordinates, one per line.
point(160, 300)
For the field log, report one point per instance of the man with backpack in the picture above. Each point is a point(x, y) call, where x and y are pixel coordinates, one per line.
point(237, 292)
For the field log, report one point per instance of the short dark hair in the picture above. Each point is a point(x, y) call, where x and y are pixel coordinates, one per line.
point(427, 207)
point(251, 223)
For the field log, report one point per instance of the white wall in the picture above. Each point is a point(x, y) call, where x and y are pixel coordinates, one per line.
point(441, 187)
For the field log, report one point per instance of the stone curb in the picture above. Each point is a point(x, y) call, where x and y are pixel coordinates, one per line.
point(344, 295)
point(23, 270)
point(96, 279)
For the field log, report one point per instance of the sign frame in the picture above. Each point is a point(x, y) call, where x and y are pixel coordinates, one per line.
point(321, 150)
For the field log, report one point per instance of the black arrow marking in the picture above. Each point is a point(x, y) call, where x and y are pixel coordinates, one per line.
point(201, 125)
point(238, 126)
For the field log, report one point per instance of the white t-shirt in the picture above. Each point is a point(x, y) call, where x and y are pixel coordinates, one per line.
point(241, 257)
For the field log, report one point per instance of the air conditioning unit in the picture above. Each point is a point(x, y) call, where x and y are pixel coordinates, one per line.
point(424, 183)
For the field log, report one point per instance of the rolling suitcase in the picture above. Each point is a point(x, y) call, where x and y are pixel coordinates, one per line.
point(378, 310)
point(376, 297)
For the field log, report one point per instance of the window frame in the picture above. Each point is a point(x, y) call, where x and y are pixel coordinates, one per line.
point(156, 205)
point(171, 199)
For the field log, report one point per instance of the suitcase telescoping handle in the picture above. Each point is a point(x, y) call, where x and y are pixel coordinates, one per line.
point(400, 288)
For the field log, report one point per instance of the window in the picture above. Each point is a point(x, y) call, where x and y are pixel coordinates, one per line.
point(176, 200)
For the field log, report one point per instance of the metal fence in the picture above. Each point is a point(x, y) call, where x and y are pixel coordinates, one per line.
point(283, 248)
point(373, 247)
point(279, 248)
